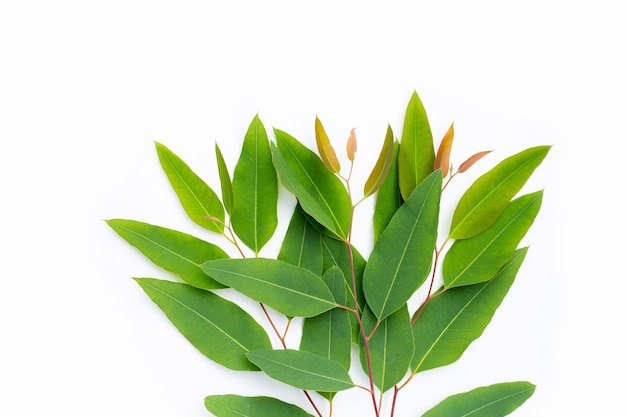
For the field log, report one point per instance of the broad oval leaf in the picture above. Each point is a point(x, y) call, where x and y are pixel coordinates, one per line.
point(302, 245)
point(417, 153)
point(218, 328)
point(303, 370)
point(402, 257)
point(225, 183)
point(391, 348)
point(489, 195)
point(286, 288)
point(469, 162)
point(325, 149)
point(198, 199)
point(230, 405)
point(451, 321)
point(319, 191)
point(173, 251)
point(388, 199)
point(442, 160)
point(496, 400)
point(255, 188)
point(383, 164)
point(477, 259)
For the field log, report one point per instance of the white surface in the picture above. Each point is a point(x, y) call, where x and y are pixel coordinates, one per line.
point(86, 87)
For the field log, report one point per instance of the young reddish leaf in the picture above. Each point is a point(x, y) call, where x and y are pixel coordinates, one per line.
point(381, 169)
point(471, 161)
point(325, 149)
point(442, 160)
point(351, 146)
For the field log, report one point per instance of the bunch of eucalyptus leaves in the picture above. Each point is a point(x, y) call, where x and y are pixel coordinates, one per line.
point(346, 303)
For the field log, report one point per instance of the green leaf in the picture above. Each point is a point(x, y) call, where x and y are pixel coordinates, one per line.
point(198, 199)
point(304, 370)
point(289, 289)
point(319, 191)
point(237, 406)
point(302, 245)
point(383, 164)
point(225, 183)
point(218, 328)
point(442, 159)
point(173, 251)
point(488, 196)
point(391, 348)
point(402, 257)
point(450, 322)
point(325, 149)
point(417, 153)
point(255, 188)
point(496, 400)
point(477, 259)
point(388, 199)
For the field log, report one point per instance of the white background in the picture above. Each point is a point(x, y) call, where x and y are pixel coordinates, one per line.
point(87, 87)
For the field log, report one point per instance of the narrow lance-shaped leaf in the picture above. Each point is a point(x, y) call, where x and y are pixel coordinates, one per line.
point(218, 328)
point(496, 400)
point(173, 251)
point(489, 195)
point(198, 199)
point(238, 406)
point(255, 188)
point(388, 199)
point(325, 149)
point(477, 259)
point(417, 153)
point(319, 191)
point(302, 245)
point(381, 169)
point(225, 183)
point(469, 162)
point(303, 370)
point(402, 257)
point(287, 288)
point(451, 321)
point(442, 160)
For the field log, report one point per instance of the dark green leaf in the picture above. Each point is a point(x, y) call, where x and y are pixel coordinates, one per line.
point(302, 245)
point(198, 199)
point(173, 251)
point(225, 183)
point(304, 370)
point(238, 406)
point(287, 288)
point(451, 321)
point(255, 187)
point(417, 153)
point(496, 400)
point(218, 328)
point(402, 257)
point(488, 196)
point(477, 259)
point(388, 199)
point(381, 169)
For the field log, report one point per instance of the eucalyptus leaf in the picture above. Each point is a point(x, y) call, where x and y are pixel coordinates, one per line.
point(496, 400)
point(289, 289)
point(238, 406)
point(226, 184)
point(383, 164)
point(218, 328)
point(451, 321)
point(304, 370)
point(198, 199)
point(402, 257)
point(477, 259)
point(302, 245)
point(485, 200)
point(255, 189)
point(388, 198)
point(173, 251)
point(325, 149)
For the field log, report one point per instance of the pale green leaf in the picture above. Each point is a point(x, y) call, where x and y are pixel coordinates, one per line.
point(255, 188)
point(302, 245)
point(225, 183)
point(287, 288)
point(477, 259)
point(496, 400)
point(488, 196)
point(388, 199)
point(198, 199)
point(218, 328)
point(230, 405)
point(402, 257)
point(304, 370)
point(383, 164)
point(173, 251)
point(417, 153)
point(325, 149)
point(451, 321)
